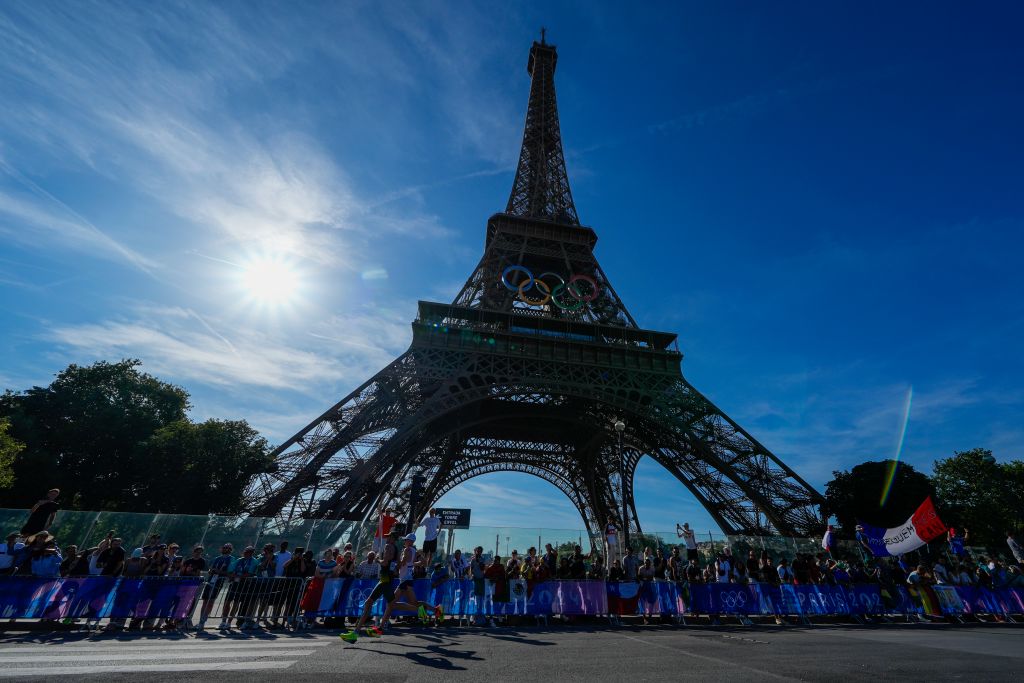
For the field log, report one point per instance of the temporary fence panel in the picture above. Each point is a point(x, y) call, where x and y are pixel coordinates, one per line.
point(250, 598)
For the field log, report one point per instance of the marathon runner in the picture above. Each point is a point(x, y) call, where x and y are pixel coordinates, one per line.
point(406, 598)
point(388, 564)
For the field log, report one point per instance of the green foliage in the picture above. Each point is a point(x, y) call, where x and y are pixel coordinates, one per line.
point(856, 495)
point(114, 438)
point(9, 448)
point(979, 494)
point(193, 468)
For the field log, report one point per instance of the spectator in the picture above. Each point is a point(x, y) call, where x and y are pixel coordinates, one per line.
point(135, 565)
point(630, 565)
point(564, 569)
point(646, 572)
point(740, 574)
point(112, 559)
point(616, 573)
point(281, 559)
point(384, 526)
point(766, 570)
point(346, 568)
point(195, 564)
point(689, 540)
point(172, 555)
point(70, 555)
point(80, 567)
point(46, 561)
point(1015, 548)
point(723, 568)
point(8, 552)
point(457, 566)
point(551, 559)
point(478, 570)
point(660, 565)
point(597, 570)
point(784, 572)
point(540, 571)
point(957, 542)
point(862, 541)
point(151, 545)
point(40, 517)
point(577, 569)
point(219, 574)
point(326, 565)
point(438, 576)
point(512, 567)
point(158, 562)
point(692, 571)
point(302, 566)
point(676, 567)
point(432, 527)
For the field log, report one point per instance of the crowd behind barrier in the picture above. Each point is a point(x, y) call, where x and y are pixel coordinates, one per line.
point(257, 601)
point(139, 580)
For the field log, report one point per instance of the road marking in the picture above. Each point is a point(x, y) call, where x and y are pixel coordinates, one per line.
point(132, 668)
point(149, 656)
point(717, 660)
point(176, 646)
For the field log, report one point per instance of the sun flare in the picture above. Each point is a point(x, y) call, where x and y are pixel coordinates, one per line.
point(270, 281)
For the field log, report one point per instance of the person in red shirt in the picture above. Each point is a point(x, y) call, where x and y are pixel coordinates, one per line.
point(385, 522)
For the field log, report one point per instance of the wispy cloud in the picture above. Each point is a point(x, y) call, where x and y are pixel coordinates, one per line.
point(178, 344)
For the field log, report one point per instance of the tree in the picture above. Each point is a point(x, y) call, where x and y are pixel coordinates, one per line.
point(976, 492)
point(857, 495)
point(207, 465)
point(92, 432)
point(9, 448)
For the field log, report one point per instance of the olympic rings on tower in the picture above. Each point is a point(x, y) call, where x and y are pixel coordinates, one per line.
point(575, 300)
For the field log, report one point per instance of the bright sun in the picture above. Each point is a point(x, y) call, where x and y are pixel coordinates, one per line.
point(270, 281)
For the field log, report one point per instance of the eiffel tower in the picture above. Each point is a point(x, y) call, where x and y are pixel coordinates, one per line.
point(528, 370)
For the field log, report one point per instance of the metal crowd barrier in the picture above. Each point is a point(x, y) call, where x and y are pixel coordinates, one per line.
point(184, 602)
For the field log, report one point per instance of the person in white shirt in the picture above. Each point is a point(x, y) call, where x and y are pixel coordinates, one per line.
point(281, 559)
point(432, 525)
point(689, 538)
point(457, 566)
point(724, 567)
point(7, 551)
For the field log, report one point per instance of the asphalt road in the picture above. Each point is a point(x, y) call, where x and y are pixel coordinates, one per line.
point(562, 653)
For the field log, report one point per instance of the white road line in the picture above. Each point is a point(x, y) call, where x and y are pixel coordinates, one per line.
point(717, 660)
point(132, 668)
point(176, 646)
point(149, 657)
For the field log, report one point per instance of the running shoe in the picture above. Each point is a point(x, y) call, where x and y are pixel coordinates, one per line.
point(349, 636)
point(438, 614)
point(423, 615)
point(373, 632)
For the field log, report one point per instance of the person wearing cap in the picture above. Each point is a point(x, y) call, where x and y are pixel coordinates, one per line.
point(405, 597)
point(8, 550)
point(241, 581)
point(220, 569)
point(388, 562)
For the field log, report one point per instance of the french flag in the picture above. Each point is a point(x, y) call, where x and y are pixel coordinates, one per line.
point(826, 541)
point(923, 526)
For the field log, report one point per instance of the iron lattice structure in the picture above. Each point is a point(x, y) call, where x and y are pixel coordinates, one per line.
point(526, 371)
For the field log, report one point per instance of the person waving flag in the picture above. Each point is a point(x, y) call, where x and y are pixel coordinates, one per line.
point(827, 540)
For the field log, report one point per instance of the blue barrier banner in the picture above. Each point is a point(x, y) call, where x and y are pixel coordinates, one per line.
point(22, 596)
point(977, 600)
point(86, 596)
point(154, 597)
point(345, 597)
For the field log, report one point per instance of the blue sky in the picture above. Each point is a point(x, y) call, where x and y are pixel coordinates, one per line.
point(823, 200)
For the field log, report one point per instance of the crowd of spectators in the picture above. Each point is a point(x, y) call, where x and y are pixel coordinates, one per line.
point(35, 552)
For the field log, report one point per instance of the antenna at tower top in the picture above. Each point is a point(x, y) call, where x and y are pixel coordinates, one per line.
point(542, 32)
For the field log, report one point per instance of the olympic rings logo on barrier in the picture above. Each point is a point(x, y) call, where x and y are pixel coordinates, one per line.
point(576, 298)
point(733, 599)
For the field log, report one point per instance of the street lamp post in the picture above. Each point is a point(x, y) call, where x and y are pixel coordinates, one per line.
point(620, 427)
